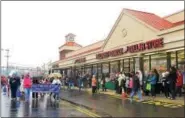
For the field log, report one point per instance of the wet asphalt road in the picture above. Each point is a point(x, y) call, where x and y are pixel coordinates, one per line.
point(45, 107)
point(85, 105)
point(106, 105)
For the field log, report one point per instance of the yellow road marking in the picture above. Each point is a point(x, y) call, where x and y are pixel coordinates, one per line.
point(168, 105)
point(87, 112)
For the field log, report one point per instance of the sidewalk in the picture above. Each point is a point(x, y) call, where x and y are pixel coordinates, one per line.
point(159, 98)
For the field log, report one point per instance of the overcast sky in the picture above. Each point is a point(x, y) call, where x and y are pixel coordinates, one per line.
point(33, 31)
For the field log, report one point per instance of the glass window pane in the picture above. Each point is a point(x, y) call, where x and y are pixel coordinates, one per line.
point(114, 67)
point(126, 65)
point(146, 64)
point(94, 69)
point(159, 62)
point(173, 59)
point(105, 68)
point(131, 64)
point(136, 63)
point(121, 65)
point(181, 60)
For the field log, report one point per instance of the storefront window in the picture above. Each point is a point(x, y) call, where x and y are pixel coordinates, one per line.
point(181, 60)
point(105, 68)
point(126, 65)
point(136, 63)
point(146, 64)
point(121, 65)
point(94, 69)
point(131, 64)
point(99, 69)
point(159, 62)
point(173, 59)
point(114, 67)
point(69, 72)
point(88, 70)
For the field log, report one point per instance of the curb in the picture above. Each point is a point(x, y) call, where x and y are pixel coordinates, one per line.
point(117, 95)
point(86, 107)
point(135, 97)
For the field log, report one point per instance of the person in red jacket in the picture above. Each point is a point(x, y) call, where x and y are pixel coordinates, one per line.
point(179, 83)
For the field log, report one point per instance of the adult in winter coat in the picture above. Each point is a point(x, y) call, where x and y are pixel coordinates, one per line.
point(140, 76)
point(136, 87)
point(56, 81)
point(165, 82)
point(14, 85)
point(103, 83)
point(179, 83)
point(153, 80)
point(94, 84)
point(172, 81)
point(35, 94)
point(120, 81)
point(27, 82)
point(116, 84)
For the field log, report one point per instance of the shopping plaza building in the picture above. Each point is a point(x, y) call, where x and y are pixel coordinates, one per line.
point(137, 41)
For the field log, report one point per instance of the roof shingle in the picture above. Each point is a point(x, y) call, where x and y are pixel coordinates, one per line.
point(151, 19)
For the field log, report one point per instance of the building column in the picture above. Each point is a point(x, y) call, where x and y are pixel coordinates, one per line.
point(101, 66)
point(176, 59)
point(109, 66)
point(150, 65)
point(134, 63)
point(168, 57)
point(141, 63)
point(129, 64)
point(84, 68)
point(92, 69)
point(119, 66)
point(123, 66)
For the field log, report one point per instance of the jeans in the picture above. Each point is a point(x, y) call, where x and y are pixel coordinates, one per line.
point(27, 93)
point(172, 90)
point(138, 93)
point(153, 90)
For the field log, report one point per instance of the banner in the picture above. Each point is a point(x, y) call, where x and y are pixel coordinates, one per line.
point(46, 88)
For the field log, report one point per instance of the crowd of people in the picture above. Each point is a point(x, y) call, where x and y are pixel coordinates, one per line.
point(134, 82)
point(130, 83)
point(20, 86)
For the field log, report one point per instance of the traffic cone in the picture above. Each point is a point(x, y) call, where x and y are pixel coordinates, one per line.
point(123, 95)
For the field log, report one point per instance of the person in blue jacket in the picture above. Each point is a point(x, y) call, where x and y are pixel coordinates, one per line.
point(153, 80)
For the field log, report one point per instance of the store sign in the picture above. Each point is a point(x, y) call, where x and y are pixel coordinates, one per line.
point(81, 60)
point(157, 43)
point(112, 53)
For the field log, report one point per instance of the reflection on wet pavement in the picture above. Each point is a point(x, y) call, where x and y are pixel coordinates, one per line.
point(120, 108)
point(43, 107)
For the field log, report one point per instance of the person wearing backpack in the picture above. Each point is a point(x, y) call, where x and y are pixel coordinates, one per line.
point(27, 86)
